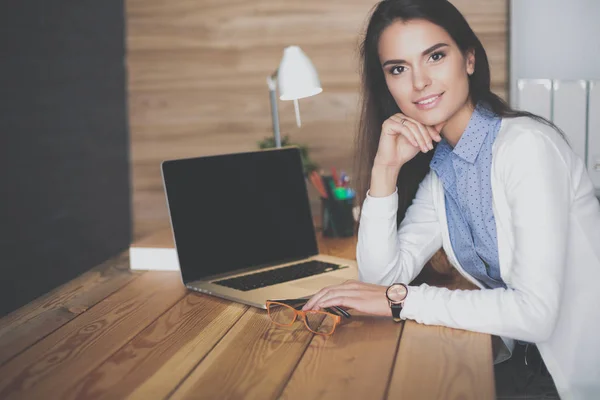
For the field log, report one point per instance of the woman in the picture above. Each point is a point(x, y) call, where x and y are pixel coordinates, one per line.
point(501, 191)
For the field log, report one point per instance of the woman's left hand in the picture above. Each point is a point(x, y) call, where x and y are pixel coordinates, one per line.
point(363, 297)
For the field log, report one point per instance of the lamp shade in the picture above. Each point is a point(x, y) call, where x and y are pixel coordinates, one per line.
point(297, 77)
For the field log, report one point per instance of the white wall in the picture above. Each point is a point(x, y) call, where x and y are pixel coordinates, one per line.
point(555, 39)
point(552, 40)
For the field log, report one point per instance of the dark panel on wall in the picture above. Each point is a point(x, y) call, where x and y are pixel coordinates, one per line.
point(65, 202)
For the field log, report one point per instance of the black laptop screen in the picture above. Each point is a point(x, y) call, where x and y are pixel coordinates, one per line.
point(235, 211)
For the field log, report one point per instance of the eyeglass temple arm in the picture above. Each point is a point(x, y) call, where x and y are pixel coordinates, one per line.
point(334, 310)
point(340, 310)
point(303, 301)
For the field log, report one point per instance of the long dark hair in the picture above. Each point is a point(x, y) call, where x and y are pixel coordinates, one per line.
point(378, 103)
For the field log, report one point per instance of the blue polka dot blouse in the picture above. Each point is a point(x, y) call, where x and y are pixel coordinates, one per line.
point(465, 174)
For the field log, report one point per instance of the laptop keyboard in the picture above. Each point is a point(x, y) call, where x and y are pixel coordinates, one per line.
point(279, 275)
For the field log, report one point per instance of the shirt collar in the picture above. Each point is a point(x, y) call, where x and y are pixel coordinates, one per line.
point(442, 151)
point(468, 147)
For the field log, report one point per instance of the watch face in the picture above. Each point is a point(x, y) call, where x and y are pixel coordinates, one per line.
point(397, 293)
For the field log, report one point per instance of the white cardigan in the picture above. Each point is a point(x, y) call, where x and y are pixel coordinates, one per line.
point(548, 228)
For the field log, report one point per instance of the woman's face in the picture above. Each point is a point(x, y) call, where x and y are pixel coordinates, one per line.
point(425, 71)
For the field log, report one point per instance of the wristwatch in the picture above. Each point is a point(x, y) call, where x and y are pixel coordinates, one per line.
point(396, 294)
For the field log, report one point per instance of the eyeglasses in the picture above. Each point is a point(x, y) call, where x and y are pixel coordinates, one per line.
point(285, 313)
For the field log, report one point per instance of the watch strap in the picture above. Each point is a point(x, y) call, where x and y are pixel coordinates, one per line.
point(396, 308)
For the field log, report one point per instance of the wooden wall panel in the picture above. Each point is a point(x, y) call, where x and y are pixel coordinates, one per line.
point(197, 80)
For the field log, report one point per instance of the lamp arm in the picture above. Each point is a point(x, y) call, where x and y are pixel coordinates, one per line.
point(272, 83)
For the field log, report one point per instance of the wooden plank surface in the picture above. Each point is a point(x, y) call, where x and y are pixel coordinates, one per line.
point(253, 361)
point(154, 339)
point(160, 357)
point(47, 369)
point(34, 321)
point(435, 362)
point(363, 350)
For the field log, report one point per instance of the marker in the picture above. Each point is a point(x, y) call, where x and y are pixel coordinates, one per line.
point(335, 177)
point(317, 182)
point(341, 193)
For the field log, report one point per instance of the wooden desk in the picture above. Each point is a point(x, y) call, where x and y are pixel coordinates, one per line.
point(112, 333)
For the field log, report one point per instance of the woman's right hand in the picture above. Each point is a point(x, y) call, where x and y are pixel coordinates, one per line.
point(402, 138)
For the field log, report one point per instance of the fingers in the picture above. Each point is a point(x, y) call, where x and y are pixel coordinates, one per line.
point(393, 126)
point(313, 300)
point(424, 134)
point(341, 295)
point(422, 130)
point(346, 298)
point(343, 301)
point(323, 292)
point(422, 137)
point(409, 131)
point(348, 287)
point(435, 135)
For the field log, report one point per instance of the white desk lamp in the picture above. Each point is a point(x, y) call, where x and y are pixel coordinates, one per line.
point(297, 79)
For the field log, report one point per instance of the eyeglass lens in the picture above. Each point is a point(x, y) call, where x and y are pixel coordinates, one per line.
point(318, 322)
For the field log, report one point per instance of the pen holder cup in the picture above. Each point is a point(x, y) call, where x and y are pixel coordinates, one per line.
point(337, 219)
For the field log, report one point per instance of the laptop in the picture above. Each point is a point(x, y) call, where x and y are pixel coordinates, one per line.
point(243, 227)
